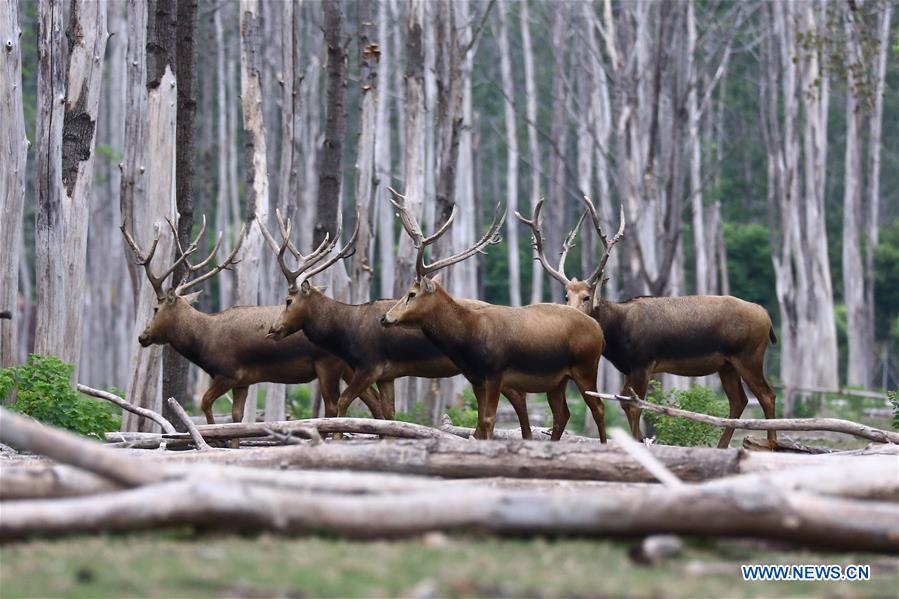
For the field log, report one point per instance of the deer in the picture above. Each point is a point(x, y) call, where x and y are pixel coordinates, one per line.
point(231, 346)
point(353, 332)
point(533, 349)
point(695, 335)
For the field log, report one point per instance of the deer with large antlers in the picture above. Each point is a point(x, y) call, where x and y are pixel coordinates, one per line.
point(377, 355)
point(533, 349)
point(689, 336)
point(231, 346)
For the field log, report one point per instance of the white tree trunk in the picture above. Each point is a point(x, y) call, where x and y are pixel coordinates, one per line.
point(369, 50)
point(414, 162)
point(383, 164)
point(65, 167)
point(511, 157)
point(530, 94)
point(248, 269)
point(700, 248)
point(148, 175)
point(12, 177)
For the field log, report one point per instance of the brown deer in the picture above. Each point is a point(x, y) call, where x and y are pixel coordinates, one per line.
point(534, 349)
point(231, 346)
point(353, 332)
point(689, 336)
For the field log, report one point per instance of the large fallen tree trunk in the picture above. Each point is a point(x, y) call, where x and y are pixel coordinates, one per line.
point(835, 425)
point(693, 510)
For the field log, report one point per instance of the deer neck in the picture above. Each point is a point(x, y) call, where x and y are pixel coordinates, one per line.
point(450, 325)
point(189, 334)
point(332, 322)
point(608, 314)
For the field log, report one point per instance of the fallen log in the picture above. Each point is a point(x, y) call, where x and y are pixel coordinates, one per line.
point(500, 434)
point(835, 425)
point(111, 397)
point(695, 510)
point(195, 435)
point(388, 428)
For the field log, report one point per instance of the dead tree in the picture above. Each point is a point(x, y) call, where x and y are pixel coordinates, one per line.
point(12, 177)
point(65, 152)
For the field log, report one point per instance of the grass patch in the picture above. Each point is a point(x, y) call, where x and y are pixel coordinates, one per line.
point(182, 564)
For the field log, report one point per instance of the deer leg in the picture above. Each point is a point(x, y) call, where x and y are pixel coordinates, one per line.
point(597, 407)
point(637, 381)
point(359, 383)
point(736, 397)
point(490, 404)
point(559, 408)
point(219, 387)
point(240, 400)
point(519, 404)
point(329, 386)
point(388, 399)
point(480, 393)
point(371, 400)
point(753, 373)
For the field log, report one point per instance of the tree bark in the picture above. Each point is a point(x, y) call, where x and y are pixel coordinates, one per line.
point(530, 94)
point(12, 176)
point(148, 180)
point(174, 365)
point(249, 268)
point(369, 54)
point(511, 156)
point(65, 166)
point(335, 124)
point(383, 155)
point(414, 147)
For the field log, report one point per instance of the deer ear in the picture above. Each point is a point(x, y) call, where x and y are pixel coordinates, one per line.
point(429, 285)
point(321, 288)
point(438, 278)
point(306, 287)
point(171, 296)
point(192, 298)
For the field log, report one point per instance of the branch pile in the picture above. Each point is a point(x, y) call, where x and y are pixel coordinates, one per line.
point(845, 502)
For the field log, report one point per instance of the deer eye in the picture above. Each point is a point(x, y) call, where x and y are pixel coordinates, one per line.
point(289, 301)
point(156, 310)
point(585, 297)
point(411, 296)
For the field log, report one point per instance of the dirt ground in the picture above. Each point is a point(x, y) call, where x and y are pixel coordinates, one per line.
point(186, 563)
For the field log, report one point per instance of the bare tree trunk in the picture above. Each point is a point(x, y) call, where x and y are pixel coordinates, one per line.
point(12, 177)
point(701, 283)
point(223, 191)
point(369, 53)
point(511, 157)
point(175, 367)
point(414, 173)
point(556, 196)
point(335, 123)
point(860, 201)
point(148, 179)
point(312, 137)
point(383, 164)
point(65, 167)
point(530, 94)
point(248, 284)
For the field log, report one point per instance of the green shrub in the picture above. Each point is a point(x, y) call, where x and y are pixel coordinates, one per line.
point(43, 391)
point(417, 414)
point(299, 402)
point(671, 430)
point(467, 414)
point(891, 397)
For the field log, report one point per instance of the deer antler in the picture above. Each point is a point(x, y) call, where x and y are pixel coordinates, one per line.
point(306, 262)
point(607, 243)
point(535, 224)
point(413, 229)
point(145, 260)
point(229, 261)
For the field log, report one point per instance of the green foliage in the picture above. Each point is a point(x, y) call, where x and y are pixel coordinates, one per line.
point(43, 392)
point(680, 431)
point(886, 273)
point(749, 265)
point(894, 401)
point(466, 414)
point(299, 402)
point(417, 414)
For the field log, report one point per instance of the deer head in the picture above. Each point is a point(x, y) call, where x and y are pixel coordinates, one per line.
point(297, 310)
point(426, 292)
point(172, 301)
point(583, 295)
